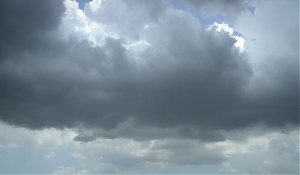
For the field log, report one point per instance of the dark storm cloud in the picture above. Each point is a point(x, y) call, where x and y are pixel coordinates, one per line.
point(58, 89)
point(27, 25)
point(189, 79)
point(275, 99)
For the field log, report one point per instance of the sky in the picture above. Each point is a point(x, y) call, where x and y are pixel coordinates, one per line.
point(149, 87)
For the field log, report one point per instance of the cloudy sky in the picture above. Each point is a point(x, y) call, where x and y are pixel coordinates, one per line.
point(140, 86)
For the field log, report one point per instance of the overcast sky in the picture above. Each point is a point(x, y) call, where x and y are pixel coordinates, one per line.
point(149, 86)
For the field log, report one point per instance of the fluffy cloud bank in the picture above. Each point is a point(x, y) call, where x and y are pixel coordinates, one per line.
point(146, 71)
point(53, 151)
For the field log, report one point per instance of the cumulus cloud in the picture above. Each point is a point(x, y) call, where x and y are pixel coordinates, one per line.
point(28, 26)
point(177, 80)
point(144, 72)
point(121, 15)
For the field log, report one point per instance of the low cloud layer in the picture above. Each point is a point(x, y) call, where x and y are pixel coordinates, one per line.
point(53, 151)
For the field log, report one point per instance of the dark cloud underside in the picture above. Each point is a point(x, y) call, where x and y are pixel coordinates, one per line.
point(189, 79)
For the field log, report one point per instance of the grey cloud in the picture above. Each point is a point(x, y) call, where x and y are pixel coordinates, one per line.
point(27, 25)
point(278, 93)
point(272, 152)
point(185, 152)
point(274, 88)
point(48, 88)
point(143, 133)
point(190, 80)
point(277, 153)
point(121, 15)
point(152, 156)
point(229, 9)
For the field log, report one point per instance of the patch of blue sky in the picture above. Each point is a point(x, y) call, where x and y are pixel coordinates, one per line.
point(209, 20)
point(177, 4)
point(81, 3)
point(251, 9)
point(204, 20)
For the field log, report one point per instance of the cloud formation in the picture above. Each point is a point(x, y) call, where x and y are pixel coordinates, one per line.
point(144, 71)
point(227, 8)
point(195, 82)
point(272, 152)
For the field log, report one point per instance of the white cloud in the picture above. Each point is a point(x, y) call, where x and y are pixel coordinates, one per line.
point(75, 23)
point(223, 27)
point(50, 155)
point(77, 155)
point(268, 152)
point(271, 152)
